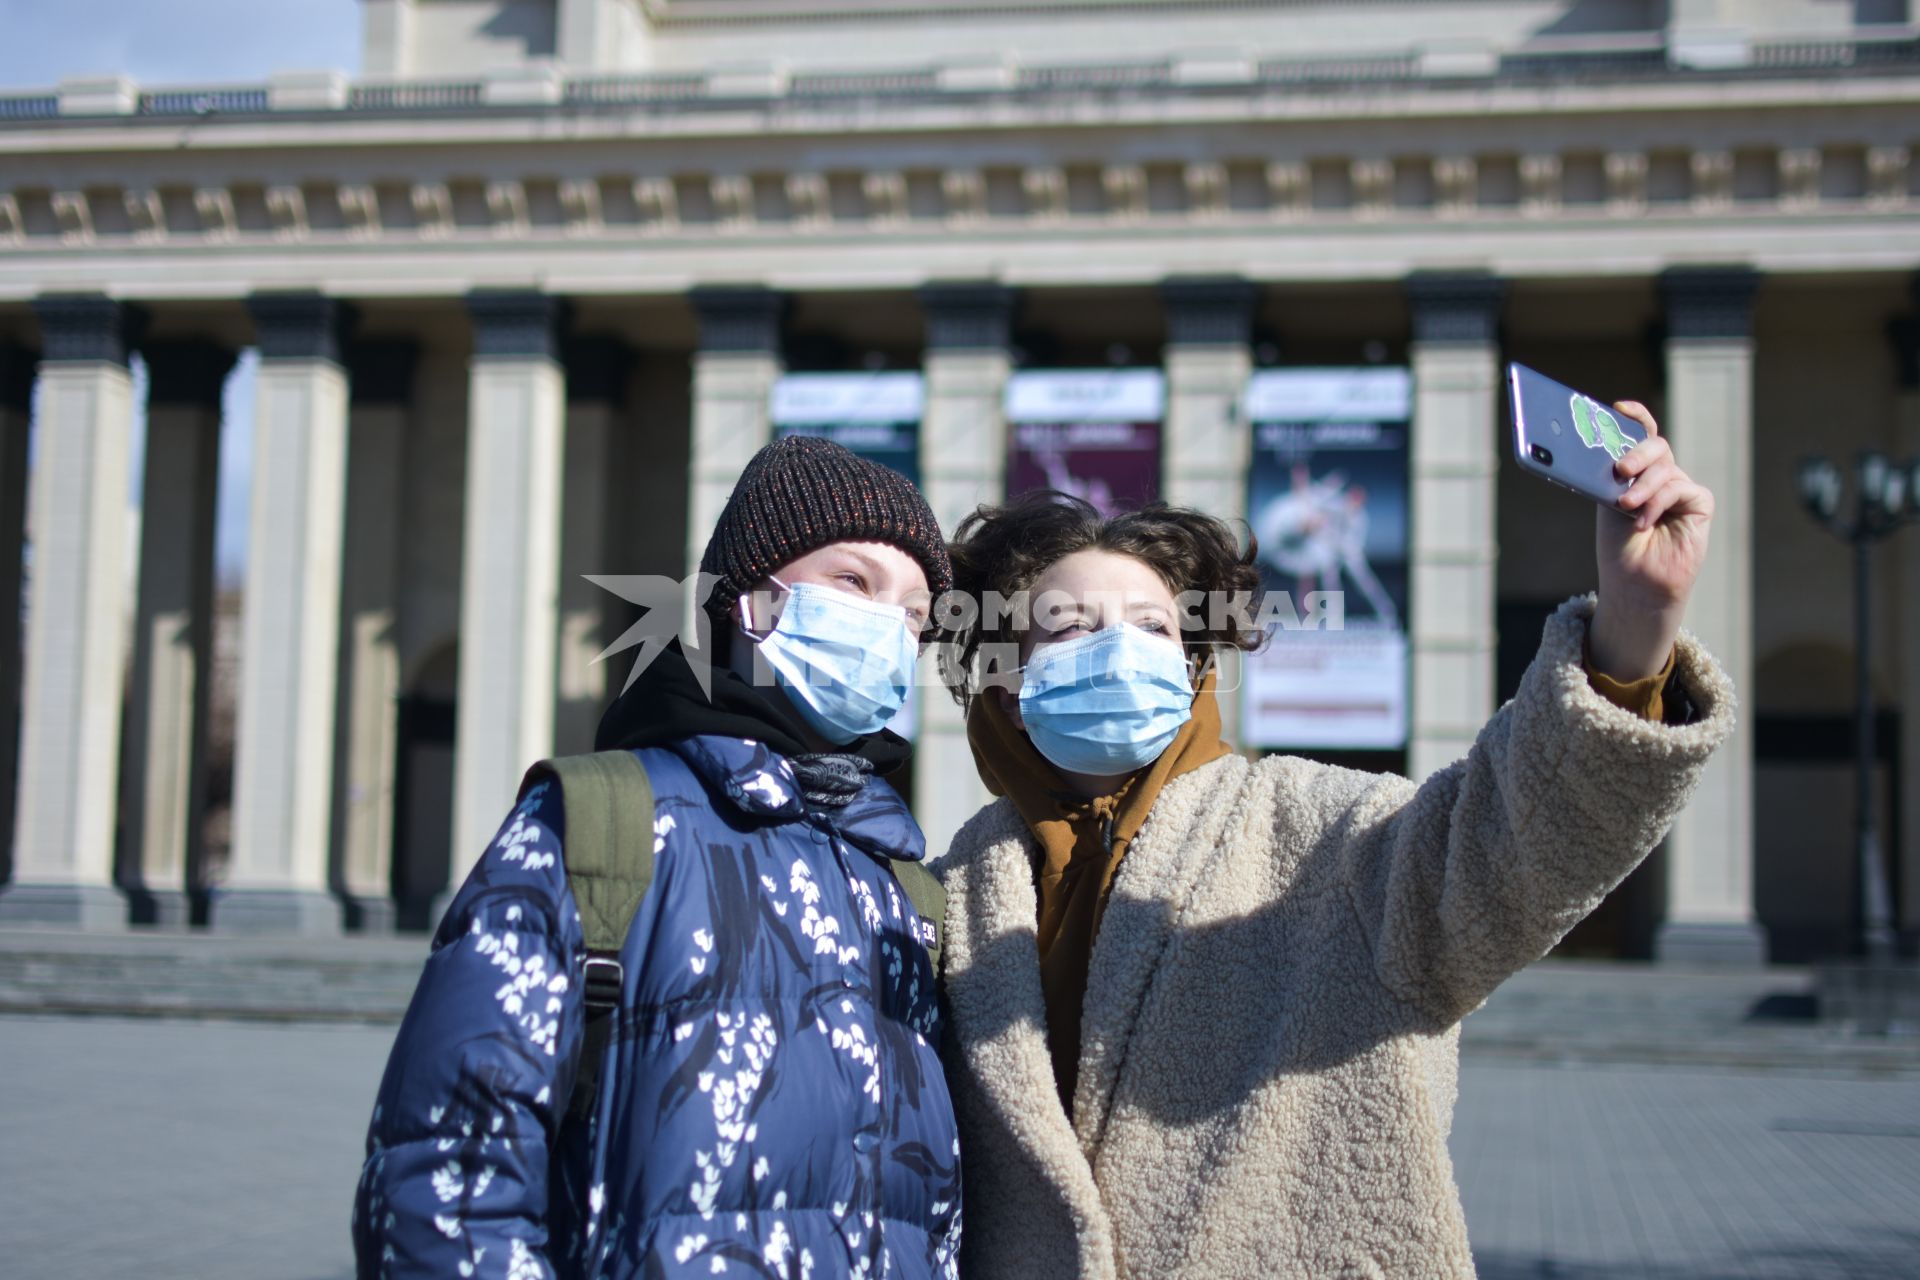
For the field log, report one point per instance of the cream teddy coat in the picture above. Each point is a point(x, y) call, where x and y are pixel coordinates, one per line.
point(1271, 1028)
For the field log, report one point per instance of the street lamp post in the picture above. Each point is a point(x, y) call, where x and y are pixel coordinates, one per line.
point(1885, 498)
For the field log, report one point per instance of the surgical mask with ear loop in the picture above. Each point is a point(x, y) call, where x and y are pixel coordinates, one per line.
point(845, 663)
point(1108, 703)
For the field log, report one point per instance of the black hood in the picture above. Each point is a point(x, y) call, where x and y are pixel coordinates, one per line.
point(665, 705)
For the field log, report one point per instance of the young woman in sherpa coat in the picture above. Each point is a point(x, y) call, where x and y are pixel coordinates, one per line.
point(1205, 1010)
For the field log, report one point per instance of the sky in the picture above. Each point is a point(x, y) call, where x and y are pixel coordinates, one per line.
point(174, 41)
point(181, 42)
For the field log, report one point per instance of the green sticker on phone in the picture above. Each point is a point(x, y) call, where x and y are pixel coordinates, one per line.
point(1598, 428)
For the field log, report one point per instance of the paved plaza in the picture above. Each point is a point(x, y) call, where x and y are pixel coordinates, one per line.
point(228, 1151)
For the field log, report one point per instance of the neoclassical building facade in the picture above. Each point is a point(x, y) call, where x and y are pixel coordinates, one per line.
point(520, 292)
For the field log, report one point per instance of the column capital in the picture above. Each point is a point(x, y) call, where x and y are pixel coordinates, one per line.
point(515, 323)
point(299, 325)
point(597, 368)
point(742, 319)
point(186, 371)
point(1455, 306)
point(380, 371)
point(1709, 302)
point(16, 375)
point(87, 326)
point(968, 315)
point(1211, 311)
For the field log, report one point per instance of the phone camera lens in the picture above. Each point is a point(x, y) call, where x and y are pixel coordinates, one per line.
point(1542, 455)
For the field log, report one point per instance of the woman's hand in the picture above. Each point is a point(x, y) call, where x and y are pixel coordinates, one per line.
point(1649, 552)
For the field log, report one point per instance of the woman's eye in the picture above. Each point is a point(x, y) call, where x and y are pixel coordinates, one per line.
point(1154, 627)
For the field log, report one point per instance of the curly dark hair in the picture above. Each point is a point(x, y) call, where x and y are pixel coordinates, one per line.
point(1005, 549)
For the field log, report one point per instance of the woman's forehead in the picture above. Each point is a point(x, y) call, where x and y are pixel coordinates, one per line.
point(1107, 574)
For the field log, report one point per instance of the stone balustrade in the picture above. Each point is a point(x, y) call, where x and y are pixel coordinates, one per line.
point(1568, 60)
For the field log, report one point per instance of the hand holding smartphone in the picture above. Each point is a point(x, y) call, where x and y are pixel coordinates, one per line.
point(1567, 438)
point(1650, 549)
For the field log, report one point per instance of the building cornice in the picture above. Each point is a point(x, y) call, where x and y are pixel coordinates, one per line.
point(1786, 175)
point(1446, 177)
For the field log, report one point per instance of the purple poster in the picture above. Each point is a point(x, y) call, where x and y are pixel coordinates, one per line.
point(1094, 434)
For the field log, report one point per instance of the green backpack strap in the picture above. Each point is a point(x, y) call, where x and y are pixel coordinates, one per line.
point(608, 838)
point(923, 890)
point(607, 846)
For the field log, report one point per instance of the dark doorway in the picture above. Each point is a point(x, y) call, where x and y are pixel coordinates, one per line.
point(423, 791)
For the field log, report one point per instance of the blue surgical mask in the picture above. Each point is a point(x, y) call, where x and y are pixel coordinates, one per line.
point(1108, 703)
point(845, 663)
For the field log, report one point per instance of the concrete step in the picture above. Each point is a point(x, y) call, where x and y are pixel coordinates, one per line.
point(1570, 1012)
point(361, 979)
point(1577, 1012)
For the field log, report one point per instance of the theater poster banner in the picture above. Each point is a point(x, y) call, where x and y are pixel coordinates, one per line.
point(875, 415)
point(1093, 433)
point(1328, 503)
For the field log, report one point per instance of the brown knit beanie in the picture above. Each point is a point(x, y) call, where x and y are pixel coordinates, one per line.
point(799, 494)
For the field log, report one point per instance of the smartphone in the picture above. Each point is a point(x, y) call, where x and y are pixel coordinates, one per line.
point(1567, 438)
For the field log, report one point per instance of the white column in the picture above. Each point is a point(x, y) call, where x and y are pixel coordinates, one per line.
point(963, 463)
point(1905, 551)
point(733, 376)
point(1454, 464)
point(386, 38)
point(1208, 449)
point(1709, 417)
point(597, 370)
point(163, 782)
point(16, 408)
point(366, 740)
point(509, 561)
point(278, 881)
point(601, 35)
point(76, 615)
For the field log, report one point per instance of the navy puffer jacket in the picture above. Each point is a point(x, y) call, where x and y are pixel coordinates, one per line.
point(776, 1106)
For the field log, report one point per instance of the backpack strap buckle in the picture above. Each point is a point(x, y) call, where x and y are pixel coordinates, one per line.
point(607, 846)
point(600, 993)
point(602, 983)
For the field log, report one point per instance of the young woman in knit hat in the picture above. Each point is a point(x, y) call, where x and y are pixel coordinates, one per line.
point(1205, 1010)
point(773, 1104)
